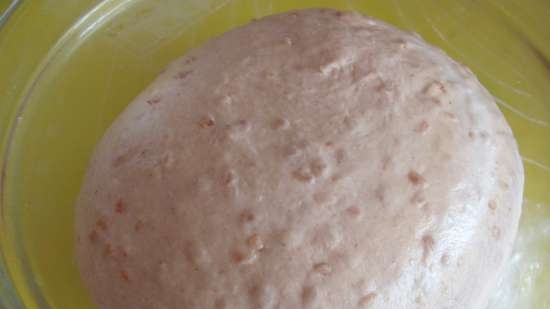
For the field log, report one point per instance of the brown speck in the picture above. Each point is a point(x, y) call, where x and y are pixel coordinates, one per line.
point(354, 211)
point(138, 226)
point(124, 275)
point(350, 122)
point(93, 237)
point(415, 178)
point(294, 148)
point(125, 157)
point(340, 156)
point(322, 268)
point(471, 134)
point(220, 304)
point(309, 293)
point(318, 167)
point(182, 75)
point(246, 216)
point(329, 144)
point(503, 184)
point(422, 127)
point(336, 177)
point(302, 175)
point(241, 125)
point(118, 161)
point(428, 244)
point(255, 242)
point(101, 224)
point(450, 115)
point(153, 101)
point(289, 150)
point(107, 250)
point(339, 13)
point(240, 257)
point(380, 87)
point(120, 208)
point(206, 122)
point(280, 124)
point(367, 299)
point(435, 89)
point(228, 178)
point(492, 204)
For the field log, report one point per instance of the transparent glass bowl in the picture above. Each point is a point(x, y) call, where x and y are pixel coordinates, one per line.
point(67, 71)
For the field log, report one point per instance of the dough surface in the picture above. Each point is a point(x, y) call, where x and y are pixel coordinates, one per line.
point(313, 159)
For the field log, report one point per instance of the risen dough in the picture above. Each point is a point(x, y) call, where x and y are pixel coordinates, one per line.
point(314, 159)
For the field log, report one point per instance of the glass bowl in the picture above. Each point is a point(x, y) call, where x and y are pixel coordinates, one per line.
point(67, 70)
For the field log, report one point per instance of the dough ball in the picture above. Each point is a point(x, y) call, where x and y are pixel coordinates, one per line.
point(313, 159)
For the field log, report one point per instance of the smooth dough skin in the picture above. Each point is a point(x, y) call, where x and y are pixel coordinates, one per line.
point(314, 159)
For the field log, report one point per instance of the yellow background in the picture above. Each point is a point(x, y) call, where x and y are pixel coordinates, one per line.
point(68, 67)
